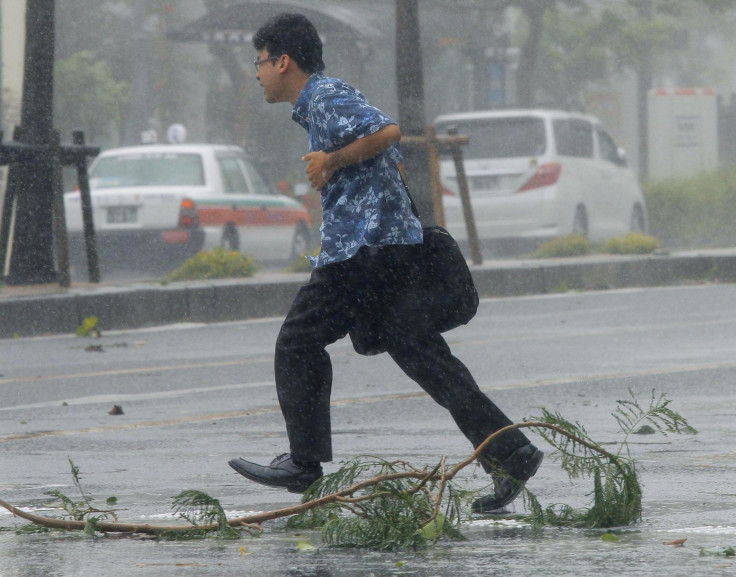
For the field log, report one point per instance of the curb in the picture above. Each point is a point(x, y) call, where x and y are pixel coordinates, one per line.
point(146, 305)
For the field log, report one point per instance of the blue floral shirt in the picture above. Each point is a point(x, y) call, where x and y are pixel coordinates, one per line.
point(363, 204)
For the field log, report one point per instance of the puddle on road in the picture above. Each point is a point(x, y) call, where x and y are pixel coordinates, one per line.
point(506, 547)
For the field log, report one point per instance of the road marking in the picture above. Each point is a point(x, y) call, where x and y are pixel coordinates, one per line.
point(150, 369)
point(554, 332)
point(568, 331)
point(359, 401)
point(131, 397)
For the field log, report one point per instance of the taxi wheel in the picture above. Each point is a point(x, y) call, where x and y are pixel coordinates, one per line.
point(300, 244)
point(230, 239)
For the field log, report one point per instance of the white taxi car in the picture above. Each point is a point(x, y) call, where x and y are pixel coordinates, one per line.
point(539, 174)
point(175, 200)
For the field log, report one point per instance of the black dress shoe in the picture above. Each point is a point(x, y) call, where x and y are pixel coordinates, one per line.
point(282, 472)
point(516, 470)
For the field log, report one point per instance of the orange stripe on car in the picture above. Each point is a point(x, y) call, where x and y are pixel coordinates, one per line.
point(251, 215)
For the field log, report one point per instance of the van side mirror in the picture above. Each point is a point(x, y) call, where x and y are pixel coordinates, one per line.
point(623, 158)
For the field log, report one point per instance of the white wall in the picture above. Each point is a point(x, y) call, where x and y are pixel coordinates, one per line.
point(13, 44)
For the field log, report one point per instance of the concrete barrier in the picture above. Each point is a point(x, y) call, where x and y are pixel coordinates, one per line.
point(23, 313)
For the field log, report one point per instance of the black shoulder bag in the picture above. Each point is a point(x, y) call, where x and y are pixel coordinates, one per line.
point(441, 280)
point(439, 294)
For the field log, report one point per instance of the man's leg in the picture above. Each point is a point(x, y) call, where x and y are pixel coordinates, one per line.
point(302, 365)
point(321, 313)
point(429, 361)
point(511, 458)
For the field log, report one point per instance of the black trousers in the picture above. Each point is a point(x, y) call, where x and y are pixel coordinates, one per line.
point(338, 298)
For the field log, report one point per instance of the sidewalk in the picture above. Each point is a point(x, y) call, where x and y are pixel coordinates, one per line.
point(50, 309)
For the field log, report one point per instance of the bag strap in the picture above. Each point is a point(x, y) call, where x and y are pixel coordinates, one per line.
point(411, 200)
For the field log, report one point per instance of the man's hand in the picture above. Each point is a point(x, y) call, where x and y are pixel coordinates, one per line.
point(321, 165)
point(319, 169)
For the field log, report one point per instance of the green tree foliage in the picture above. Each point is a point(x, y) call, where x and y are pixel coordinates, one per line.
point(88, 97)
point(126, 40)
point(565, 42)
point(571, 57)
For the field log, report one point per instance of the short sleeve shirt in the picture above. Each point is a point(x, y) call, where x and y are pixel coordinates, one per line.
point(364, 204)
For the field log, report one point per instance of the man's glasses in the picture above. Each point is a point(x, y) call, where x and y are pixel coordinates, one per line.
point(257, 63)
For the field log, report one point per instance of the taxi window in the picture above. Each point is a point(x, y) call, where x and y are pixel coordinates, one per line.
point(233, 179)
point(256, 180)
point(149, 169)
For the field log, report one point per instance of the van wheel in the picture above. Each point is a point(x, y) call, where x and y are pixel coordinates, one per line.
point(580, 222)
point(230, 239)
point(300, 243)
point(637, 220)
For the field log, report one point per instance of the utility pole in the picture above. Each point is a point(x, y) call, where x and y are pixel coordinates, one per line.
point(1, 78)
point(412, 119)
point(644, 75)
point(138, 117)
point(32, 260)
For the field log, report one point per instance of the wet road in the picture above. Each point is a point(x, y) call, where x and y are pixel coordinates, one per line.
point(195, 396)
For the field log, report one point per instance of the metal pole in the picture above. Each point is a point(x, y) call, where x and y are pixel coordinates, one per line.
point(62, 246)
point(6, 218)
point(32, 261)
point(90, 239)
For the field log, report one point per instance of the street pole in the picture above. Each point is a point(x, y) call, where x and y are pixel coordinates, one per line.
point(32, 259)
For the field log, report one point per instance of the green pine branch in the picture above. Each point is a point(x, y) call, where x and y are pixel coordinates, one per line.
point(374, 503)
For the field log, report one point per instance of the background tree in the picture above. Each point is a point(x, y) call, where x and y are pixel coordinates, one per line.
point(128, 39)
point(571, 58)
point(534, 12)
point(645, 36)
point(89, 98)
point(642, 35)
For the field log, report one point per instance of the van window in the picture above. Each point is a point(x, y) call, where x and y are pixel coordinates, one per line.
point(573, 137)
point(609, 150)
point(500, 137)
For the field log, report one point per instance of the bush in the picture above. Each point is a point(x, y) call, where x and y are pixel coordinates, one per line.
point(216, 263)
point(695, 212)
point(301, 264)
point(576, 245)
point(632, 243)
point(571, 245)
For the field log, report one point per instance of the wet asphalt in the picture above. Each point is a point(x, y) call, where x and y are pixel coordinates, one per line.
point(194, 396)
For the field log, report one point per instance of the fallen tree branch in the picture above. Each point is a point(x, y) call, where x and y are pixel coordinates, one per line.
point(343, 495)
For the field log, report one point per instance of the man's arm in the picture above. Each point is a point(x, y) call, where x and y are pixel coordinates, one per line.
point(322, 165)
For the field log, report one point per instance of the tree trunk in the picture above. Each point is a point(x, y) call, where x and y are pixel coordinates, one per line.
point(410, 88)
point(239, 93)
point(534, 12)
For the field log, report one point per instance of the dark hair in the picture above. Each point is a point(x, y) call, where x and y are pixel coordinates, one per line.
point(295, 35)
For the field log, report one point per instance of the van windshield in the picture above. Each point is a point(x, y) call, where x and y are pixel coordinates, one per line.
point(150, 169)
point(500, 137)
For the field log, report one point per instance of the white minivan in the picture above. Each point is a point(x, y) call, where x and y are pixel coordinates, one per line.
point(540, 174)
